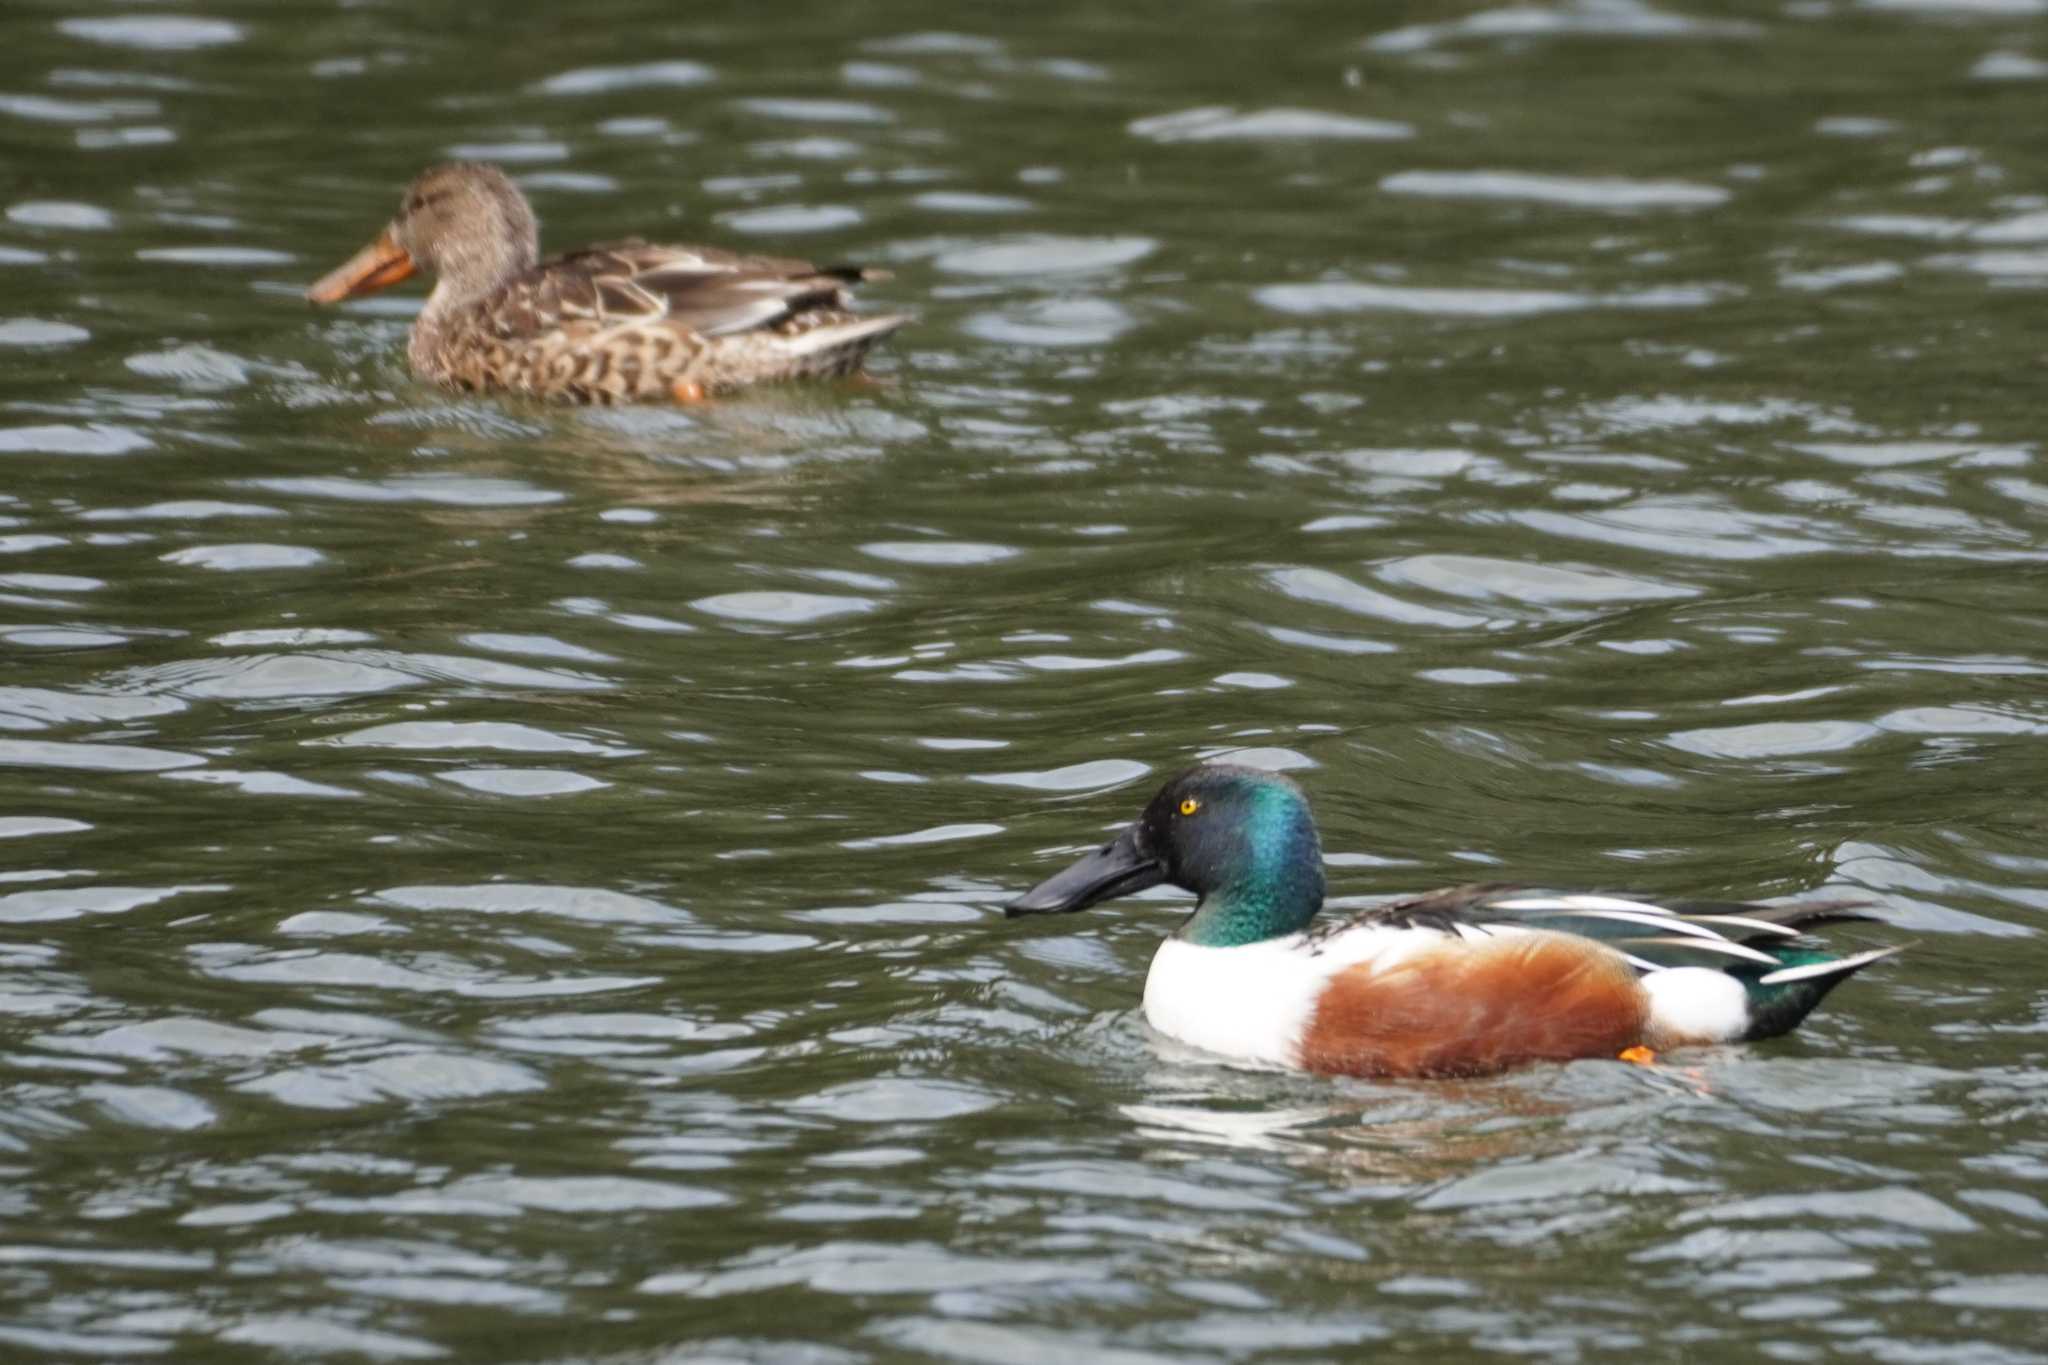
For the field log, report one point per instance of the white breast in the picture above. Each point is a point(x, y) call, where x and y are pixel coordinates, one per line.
point(1254, 1002)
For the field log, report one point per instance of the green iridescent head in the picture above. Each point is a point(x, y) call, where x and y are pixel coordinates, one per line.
point(1240, 838)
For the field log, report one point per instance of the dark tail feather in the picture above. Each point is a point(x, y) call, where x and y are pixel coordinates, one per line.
point(1779, 999)
point(856, 274)
point(1729, 916)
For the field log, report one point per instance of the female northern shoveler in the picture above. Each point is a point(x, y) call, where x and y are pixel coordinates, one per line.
point(1461, 982)
point(624, 322)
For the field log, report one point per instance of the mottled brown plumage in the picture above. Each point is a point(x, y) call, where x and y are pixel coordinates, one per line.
point(624, 322)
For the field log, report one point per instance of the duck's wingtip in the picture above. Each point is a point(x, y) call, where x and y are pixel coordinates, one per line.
point(850, 336)
point(1835, 967)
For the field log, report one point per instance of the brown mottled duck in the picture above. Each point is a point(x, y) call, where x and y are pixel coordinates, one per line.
point(622, 322)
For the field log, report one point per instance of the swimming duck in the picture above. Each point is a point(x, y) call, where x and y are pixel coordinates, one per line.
point(623, 322)
point(1466, 981)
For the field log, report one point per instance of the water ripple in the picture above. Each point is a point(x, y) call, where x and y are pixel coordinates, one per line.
point(1574, 191)
point(1215, 123)
point(155, 32)
point(1338, 296)
point(590, 80)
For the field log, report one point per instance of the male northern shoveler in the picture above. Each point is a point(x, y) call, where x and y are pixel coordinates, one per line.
point(619, 323)
point(1461, 982)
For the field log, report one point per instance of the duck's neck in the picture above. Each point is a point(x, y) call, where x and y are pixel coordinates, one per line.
point(468, 270)
point(468, 266)
point(428, 329)
point(1232, 919)
point(455, 290)
point(1275, 886)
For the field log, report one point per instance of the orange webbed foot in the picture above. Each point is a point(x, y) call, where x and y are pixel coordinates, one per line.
point(1639, 1054)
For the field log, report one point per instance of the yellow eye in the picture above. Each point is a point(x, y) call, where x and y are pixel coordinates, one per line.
point(1188, 805)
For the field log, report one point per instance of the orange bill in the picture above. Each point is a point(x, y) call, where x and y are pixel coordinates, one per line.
point(381, 263)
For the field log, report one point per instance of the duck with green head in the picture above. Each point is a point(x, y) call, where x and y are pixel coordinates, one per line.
point(1466, 981)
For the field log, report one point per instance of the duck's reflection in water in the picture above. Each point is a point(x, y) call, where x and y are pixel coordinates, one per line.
point(1420, 1132)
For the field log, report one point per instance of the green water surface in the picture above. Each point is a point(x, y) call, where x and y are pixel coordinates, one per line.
point(484, 882)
